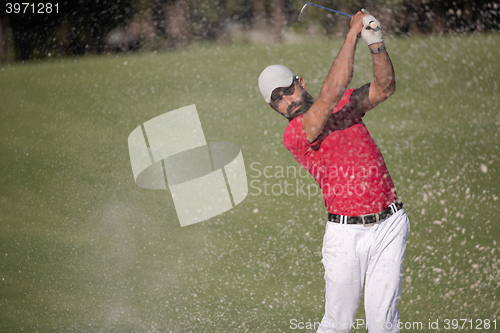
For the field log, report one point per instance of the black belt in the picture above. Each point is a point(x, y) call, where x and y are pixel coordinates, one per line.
point(366, 219)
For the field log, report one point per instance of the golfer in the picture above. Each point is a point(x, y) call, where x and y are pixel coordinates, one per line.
point(365, 236)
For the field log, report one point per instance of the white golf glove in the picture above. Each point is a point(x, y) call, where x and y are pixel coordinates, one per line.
point(372, 31)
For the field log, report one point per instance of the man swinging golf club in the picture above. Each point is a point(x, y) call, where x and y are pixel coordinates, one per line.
point(365, 236)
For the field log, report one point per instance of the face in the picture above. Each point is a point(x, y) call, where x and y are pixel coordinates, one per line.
point(291, 101)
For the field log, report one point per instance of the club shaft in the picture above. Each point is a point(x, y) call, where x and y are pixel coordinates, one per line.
point(332, 10)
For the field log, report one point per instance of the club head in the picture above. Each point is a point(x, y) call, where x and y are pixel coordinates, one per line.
point(303, 12)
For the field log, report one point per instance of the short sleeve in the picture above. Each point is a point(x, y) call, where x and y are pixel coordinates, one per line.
point(344, 100)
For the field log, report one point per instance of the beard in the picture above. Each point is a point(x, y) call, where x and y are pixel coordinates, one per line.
point(304, 104)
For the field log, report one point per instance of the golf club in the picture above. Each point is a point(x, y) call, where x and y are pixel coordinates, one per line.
point(303, 12)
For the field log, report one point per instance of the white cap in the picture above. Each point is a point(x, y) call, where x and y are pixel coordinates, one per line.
point(274, 76)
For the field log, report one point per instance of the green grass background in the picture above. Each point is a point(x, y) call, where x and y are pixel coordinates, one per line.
point(84, 249)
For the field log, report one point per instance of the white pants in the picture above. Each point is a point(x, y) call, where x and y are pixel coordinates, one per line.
point(355, 253)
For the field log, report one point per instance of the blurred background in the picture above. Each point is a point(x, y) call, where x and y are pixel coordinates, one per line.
point(106, 26)
point(84, 249)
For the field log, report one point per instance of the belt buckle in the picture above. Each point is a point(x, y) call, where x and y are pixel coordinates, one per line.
point(363, 220)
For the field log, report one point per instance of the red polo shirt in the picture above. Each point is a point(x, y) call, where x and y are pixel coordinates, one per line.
point(345, 161)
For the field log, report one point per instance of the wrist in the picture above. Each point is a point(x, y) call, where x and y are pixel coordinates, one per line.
point(376, 48)
point(376, 45)
point(352, 35)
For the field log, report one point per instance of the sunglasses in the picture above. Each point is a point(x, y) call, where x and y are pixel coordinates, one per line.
point(278, 93)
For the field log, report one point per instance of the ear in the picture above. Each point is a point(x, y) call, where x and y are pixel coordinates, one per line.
point(302, 83)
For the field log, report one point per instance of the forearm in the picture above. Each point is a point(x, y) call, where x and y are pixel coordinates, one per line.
point(341, 72)
point(384, 83)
